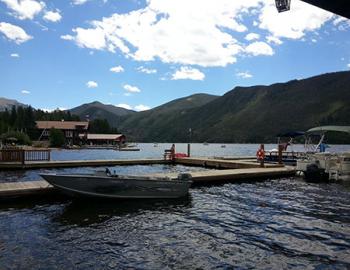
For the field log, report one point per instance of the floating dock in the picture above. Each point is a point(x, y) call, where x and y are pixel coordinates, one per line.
point(79, 163)
point(218, 163)
point(25, 189)
point(234, 163)
point(219, 176)
point(238, 170)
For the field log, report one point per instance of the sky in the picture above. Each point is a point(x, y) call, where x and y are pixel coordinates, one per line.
point(141, 54)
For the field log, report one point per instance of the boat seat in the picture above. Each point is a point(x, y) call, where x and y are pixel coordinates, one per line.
point(109, 173)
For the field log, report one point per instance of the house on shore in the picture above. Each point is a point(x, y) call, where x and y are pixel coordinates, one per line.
point(103, 139)
point(72, 130)
point(76, 133)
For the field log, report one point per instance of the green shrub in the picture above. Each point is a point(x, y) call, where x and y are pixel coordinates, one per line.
point(16, 137)
point(56, 137)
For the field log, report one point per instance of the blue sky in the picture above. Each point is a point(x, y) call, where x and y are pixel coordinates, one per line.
point(141, 54)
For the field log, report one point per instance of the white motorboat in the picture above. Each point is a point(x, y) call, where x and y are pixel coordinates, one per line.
point(325, 165)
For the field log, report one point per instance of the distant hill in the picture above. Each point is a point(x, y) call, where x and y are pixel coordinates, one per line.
point(98, 110)
point(8, 103)
point(156, 124)
point(249, 114)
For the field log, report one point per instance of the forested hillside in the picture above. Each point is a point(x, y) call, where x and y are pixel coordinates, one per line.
point(251, 114)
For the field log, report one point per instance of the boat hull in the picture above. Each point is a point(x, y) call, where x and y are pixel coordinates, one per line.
point(118, 188)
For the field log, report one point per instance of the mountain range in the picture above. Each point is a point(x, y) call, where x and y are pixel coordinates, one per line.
point(9, 103)
point(98, 110)
point(244, 114)
point(249, 114)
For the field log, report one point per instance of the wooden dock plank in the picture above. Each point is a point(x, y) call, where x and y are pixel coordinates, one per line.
point(233, 174)
point(235, 170)
point(81, 163)
point(17, 189)
point(222, 163)
point(37, 187)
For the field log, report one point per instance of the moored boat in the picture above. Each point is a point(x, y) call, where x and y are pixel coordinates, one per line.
point(120, 186)
point(325, 165)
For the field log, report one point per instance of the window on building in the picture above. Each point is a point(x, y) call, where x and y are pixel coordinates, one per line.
point(69, 133)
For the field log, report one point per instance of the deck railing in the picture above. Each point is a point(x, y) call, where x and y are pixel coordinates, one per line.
point(23, 155)
point(11, 155)
point(37, 155)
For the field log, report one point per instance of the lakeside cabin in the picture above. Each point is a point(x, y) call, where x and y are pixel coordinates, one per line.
point(103, 139)
point(76, 133)
point(71, 130)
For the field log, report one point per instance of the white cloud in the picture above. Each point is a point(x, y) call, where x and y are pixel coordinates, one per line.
point(91, 84)
point(14, 33)
point(155, 32)
point(188, 73)
point(16, 55)
point(47, 110)
point(295, 23)
point(138, 108)
point(244, 75)
point(341, 23)
point(348, 65)
point(67, 37)
point(125, 106)
point(206, 33)
point(79, 2)
point(24, 9)
point(146, 70)
point(131, 89)
point(90, 38)
point(273, 40)
point(142, 107)
point(52, 110)
point(252, 36)
point(127, 94)
point(259, 48)
point(25, 92)
point(53, 16)
point(117, 69)
point(339, 20)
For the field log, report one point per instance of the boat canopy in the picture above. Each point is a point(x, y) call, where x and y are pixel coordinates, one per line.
point(324, 129)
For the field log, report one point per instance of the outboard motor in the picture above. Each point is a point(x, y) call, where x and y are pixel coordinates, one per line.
point(108, 172)
point(314, 173)
point(184, 176)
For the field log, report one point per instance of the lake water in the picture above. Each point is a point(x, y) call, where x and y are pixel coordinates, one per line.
point(273, 224)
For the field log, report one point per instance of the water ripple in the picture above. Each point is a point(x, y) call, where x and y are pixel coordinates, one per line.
point(276, 224)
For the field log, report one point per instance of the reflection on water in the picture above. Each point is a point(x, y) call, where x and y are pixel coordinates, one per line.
point(83, 212)
point(273, 224)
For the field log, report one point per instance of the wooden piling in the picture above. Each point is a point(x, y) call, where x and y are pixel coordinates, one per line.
point(280, 149)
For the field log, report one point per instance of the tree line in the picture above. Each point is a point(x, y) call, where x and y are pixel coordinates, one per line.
point(19, 123)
